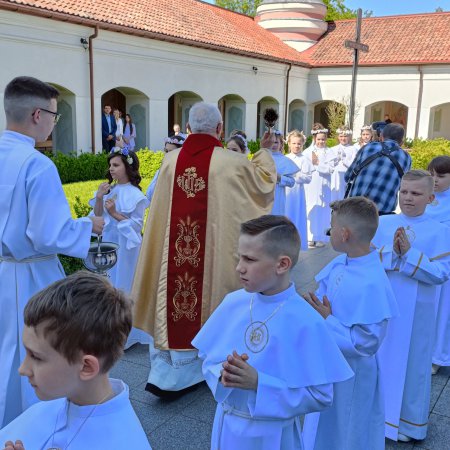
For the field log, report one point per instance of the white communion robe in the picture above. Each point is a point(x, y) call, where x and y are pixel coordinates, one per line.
point(286, 169)
point(59, 423)
point(130, 202)
point(295, 196)
point(297, 362)
point(35, 225)
point(346, 154)
point(439, 210)
point(362, 302)
point(318, 193)
point(405, 356)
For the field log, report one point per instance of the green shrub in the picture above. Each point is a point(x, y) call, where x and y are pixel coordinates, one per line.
point(73, 168)
point(423, 151)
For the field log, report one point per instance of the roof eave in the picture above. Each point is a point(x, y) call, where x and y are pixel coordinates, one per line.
point(77, 20)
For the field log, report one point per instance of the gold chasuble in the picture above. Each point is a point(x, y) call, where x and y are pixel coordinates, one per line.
point(189, 251)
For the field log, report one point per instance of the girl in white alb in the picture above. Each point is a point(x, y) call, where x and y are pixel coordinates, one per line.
point(122, 204)
point(295, 196)
point(318, 192)
point(365, 138)
point(346, 153)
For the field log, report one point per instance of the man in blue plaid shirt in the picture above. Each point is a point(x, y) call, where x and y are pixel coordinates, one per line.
point(379, 180)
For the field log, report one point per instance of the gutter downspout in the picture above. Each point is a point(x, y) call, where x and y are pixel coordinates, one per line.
point(91, 86)
point(419, 102)
point(286, 98)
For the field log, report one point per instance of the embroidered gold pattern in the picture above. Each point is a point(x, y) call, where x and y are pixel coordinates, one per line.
point(418, 265)
point(190, 183)
point(187, 244)
point(185, 298)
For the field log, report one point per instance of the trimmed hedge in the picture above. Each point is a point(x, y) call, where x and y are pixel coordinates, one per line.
point(73, 168)
point(423, 151)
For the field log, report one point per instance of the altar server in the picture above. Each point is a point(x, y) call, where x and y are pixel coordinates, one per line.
point(267, 355)
point(358, 302)
point(35, 225)
point(415, 250)
point(75, 331)
point(439, 209)
point(295, 196)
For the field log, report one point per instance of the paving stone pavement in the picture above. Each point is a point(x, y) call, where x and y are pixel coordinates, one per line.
point(185, 424)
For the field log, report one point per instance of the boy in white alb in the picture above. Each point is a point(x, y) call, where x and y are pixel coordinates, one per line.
point(415, 252)
point(346, 153)
point(295, 196)
point(74, 332)
point(267, 356)
point(358, 302)
point(439, 210)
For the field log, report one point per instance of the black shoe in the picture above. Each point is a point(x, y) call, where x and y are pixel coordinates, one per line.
point(170, 395)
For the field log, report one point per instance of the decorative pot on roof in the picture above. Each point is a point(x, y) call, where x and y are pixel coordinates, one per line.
point(298, 24)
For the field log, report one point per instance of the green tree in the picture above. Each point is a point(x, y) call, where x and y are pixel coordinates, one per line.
point(336, 8)
point(247, 7)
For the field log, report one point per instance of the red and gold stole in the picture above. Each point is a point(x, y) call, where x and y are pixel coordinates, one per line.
point(189, 214)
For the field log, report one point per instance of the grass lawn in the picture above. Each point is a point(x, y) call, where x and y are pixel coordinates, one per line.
point(85, 190)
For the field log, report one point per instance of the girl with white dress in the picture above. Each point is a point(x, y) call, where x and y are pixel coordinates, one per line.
point(295, 196)
point(346, 153)
point(237, 142)
point(318, 192)
point(122, 204)
point(366, 136)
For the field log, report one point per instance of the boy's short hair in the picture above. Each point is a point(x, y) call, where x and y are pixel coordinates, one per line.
point(420, 174)
point(83, 313)
point(280, 235)
point(359, 214)
point(24, 94)
point(440, 165)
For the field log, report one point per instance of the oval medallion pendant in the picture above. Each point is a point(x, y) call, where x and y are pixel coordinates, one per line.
point(256, 336)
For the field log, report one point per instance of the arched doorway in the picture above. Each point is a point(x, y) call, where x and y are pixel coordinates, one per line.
point(179, 105)
point(135, 103)
point(376, 112)
point(263, 104)
point(62, 138)
point(232, 108)
point(296, 120)
point(440, 122)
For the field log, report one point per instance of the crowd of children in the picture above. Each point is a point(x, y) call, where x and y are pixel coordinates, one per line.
point(355, 357)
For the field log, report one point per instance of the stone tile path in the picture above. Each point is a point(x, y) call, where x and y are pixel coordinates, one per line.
point(185, 424)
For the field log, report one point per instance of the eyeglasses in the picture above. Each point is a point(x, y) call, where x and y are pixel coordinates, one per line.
point(56, 116)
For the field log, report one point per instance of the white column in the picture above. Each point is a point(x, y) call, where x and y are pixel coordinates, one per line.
point(157, 122)
point(424, 124)
point(411, 125)
point(251, 117)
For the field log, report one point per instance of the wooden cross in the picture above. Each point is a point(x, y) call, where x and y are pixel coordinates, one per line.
point(357, 47)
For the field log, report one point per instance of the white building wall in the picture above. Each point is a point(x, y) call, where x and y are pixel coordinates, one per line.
point(51, 51)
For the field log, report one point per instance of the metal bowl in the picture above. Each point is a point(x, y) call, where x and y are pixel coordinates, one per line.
point(103, 260)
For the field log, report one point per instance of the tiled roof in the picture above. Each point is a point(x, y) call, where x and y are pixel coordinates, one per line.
point(393, 40)
point(185, 21)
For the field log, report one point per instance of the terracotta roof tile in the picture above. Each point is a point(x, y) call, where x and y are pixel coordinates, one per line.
point(393, 40)
point(197, 22)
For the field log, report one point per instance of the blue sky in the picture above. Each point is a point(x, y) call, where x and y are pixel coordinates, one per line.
point(394, 7)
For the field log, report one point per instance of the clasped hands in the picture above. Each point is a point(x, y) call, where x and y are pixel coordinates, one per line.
point(238, 373)
point(18, 445)
point(401, 242)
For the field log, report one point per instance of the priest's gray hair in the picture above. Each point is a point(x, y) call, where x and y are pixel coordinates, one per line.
point(23, 95)
point(204, 118)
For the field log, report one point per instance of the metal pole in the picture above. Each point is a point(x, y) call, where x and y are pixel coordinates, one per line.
point(355, 69)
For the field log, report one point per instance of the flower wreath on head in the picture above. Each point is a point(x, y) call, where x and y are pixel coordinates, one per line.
point(344, 132)
point(323, 130)
point(242, 138)
point(366, 128)
point(125, 151)
point(173, 140)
